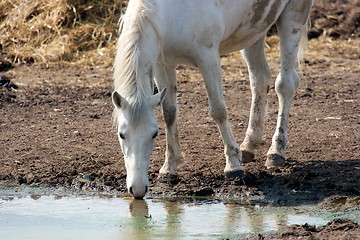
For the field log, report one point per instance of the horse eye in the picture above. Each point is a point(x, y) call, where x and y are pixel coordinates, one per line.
point(122, 136)
point(155, 134)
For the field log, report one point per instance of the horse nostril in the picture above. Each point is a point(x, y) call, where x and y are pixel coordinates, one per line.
point(137, 195)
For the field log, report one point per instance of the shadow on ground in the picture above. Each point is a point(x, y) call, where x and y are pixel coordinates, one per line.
point(310, 182)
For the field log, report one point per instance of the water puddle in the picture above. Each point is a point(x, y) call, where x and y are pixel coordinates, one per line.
point(87, 217)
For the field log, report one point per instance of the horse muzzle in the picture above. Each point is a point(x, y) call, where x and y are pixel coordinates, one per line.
point(138, 192)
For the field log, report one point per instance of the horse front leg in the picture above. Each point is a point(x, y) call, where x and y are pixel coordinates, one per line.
point(209, 65)
point(166, 77)
point(259, 74)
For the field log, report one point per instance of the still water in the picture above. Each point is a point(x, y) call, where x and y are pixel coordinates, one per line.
point(45, 217)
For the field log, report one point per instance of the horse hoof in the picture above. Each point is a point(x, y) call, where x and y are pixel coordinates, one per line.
point(168, 178)
point(275, 161)
point(234, 174)
point(247, 157)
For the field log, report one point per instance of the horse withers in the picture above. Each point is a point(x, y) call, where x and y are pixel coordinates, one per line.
point(157, 35)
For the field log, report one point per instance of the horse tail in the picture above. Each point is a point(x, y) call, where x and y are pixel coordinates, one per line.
point(303, 43)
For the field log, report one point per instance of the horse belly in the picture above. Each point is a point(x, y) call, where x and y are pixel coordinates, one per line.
point(248, 22)
point(240, 40)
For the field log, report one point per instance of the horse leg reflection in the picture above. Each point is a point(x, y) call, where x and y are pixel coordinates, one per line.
point(174, 210)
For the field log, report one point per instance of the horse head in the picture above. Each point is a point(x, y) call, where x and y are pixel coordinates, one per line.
point(137, 129)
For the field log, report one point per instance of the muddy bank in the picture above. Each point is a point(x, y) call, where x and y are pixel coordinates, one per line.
point(336, 229)
point(57, 130)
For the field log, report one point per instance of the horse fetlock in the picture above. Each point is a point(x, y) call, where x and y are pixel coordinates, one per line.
point(232, 151)
point(233, 167)
point(233, 163)
point(168, 168)
point(174, 159)
point(247, 150)
point(279, 143)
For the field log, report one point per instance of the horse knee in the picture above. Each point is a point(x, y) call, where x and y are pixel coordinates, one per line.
point(219, 113)
point(287, 83)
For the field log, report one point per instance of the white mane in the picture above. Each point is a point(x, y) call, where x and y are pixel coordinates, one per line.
point(129, 80)
point(127, 76)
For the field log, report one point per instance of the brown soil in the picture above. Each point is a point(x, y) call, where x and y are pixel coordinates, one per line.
point(336, 229)
point(56, 130)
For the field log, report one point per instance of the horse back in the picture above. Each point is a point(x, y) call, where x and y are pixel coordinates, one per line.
point(227, 25)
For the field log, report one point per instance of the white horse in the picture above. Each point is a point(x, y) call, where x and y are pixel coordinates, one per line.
point(157, 35)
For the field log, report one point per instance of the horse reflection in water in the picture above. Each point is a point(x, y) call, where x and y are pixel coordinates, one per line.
point(142, 221)
point(157, 35)
point(185, 219)
point(139, 208)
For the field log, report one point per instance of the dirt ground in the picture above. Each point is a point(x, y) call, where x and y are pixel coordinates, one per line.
point(56, 130)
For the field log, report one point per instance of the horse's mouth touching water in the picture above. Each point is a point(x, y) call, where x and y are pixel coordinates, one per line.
point(157, 35)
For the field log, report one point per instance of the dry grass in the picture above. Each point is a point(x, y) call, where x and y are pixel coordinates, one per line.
point(65, 30)
point(84, 31)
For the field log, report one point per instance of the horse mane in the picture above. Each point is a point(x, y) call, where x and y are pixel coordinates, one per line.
point(128, 78)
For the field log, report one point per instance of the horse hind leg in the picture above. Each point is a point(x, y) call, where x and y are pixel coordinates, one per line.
point(290, 26)
point(259, 74)
point(166, 77)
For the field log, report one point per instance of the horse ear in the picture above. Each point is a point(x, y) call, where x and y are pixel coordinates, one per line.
point(157, 99)
point(118, 100)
